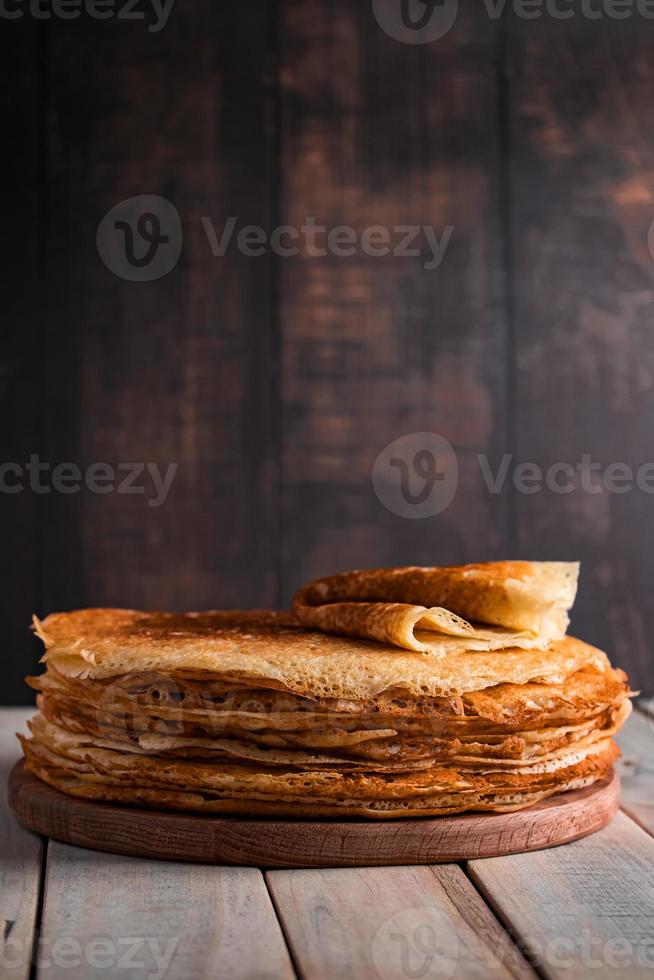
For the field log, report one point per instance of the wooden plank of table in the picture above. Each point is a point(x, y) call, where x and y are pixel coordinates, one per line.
point(105, 914)
point(376, 347)
point(581, 274)
point(355, 921)
point(637, 769)
point(586, 909)
point(21, 861)
point(22, 368)
point(12, 720)
point(182, 369)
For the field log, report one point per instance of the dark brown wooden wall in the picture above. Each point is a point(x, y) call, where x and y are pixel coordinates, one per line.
point(274, 382)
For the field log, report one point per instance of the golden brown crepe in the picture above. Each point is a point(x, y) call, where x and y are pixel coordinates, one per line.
point(275, 651)
point(378, 750)
point(104, 774)
point(521, 604)
point(255, 713)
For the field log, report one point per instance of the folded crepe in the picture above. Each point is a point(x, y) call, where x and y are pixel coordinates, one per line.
point(257, 713)
point(501, 604)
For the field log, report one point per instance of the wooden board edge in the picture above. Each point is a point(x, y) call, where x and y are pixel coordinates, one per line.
point(276, 843)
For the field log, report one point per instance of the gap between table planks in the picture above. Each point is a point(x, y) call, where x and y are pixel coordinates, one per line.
point(364, 922)
point(21, 859)
point(177, 920)
point(343, 922)
point(585, 910)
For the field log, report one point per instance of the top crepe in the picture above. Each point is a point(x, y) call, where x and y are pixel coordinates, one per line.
point(273, 650)
point(519, 604)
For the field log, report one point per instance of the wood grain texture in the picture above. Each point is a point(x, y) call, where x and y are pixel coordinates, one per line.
point(273, 382)
point(21, 366)
point(12, 720)
point(105, 914)
point(647, 706)
point(480, 918)
point(582, 910)
point(390, 923)
point(377, 132)
point(582, 277)
point(181, 369)
point(21, 860)
point(309, 843)
point(636, 769)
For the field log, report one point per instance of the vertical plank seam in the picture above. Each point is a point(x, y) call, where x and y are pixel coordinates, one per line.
point(511, 528)
point(43, 108)
point(491, 913)
point(643, 708)
point(280, 919)
point(276, 382)
point(40, 905)
point(511, 930)
point(624, 809)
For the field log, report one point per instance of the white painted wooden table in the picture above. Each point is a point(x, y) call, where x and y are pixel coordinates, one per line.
point(582, 910)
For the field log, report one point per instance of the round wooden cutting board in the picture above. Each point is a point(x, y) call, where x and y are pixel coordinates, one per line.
point(276, 843)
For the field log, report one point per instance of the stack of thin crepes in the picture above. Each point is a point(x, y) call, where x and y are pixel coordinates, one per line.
point(387, 693)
